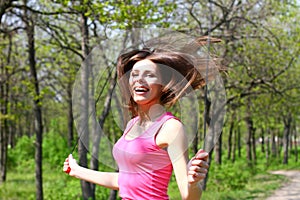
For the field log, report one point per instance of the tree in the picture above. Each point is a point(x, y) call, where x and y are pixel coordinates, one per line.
point(249, 43)
point(259, 48)
point(29, 28)
point(4, 116)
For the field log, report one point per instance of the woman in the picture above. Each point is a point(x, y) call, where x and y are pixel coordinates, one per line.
point(154, 142)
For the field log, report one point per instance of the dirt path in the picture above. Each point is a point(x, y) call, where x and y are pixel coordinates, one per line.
point(289, 191)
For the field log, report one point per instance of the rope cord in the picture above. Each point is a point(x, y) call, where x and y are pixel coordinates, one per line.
point(206, 71)
point(93, 112)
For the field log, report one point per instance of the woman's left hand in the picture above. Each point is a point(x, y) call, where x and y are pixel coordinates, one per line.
point(197, 167)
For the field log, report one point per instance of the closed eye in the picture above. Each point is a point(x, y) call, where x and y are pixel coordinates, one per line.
point(134, 74)
point(151, 75)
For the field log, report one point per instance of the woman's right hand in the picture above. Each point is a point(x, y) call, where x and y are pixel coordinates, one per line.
point(70, 165)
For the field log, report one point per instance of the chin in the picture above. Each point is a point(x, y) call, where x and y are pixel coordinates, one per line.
point(140, 101)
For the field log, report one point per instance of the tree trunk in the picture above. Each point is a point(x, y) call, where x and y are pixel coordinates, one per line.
point(262, 140)
point(5, 132)
point(296, 141)
point(253, 145)
point(239, 144)
point(204, 182)
point(218, 151)
point(95, 130)
point(279, 143)
point(196, 143)
point(248, 139)
point(250, 135)
point(234, 146)
point(113, 195)
point(206, 123)
point(83, 144)
point(98, 132)
point(37, 103)
point(83, 131)
point(273, 144)
point(3, 129)
point(230, 139)
point(70, 117)
point(268, 139)
point(286, 134)
point(12, 125)
point(4, 5)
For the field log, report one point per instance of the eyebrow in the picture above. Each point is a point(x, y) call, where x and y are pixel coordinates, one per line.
point(146, 71)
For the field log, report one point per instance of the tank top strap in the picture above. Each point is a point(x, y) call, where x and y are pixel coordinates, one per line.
point(159, 123)
point(165, 117)
point(130, 124)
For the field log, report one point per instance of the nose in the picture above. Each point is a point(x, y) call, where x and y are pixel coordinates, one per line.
point(139, 78)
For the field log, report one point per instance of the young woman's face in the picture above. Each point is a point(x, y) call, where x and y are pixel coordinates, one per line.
point(145, 83)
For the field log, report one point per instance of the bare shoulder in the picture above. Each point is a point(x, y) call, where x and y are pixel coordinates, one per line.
point(172, 124)
point(170, 130)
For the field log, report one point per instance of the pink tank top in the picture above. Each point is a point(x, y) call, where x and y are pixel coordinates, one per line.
point(144, 168)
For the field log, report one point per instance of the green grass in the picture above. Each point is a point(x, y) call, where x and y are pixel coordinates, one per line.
point(229, 181)
point(56, 184)
point(20, 185)
point(258, 187)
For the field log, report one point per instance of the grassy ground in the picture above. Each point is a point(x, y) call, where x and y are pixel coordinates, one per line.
point(259, 187)
point(229, 181)
point(58, 186)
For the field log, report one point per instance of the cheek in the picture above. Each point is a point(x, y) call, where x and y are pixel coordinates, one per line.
point(157, 88)
point(154, 81)
point(130, 82)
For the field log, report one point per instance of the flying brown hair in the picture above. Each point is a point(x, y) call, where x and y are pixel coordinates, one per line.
point(181, 73)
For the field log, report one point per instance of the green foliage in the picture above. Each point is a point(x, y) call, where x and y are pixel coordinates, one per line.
point(131, 14)
point(227, 181)
point(261, 40)
point(230, 176)
point(257, 187)
point(56, 184)
point(239, 181)
point(22, 155)
point(19, 185)
point(55, 148)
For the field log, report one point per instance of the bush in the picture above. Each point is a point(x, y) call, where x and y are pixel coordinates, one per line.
point(55, 149)
point(22, 155)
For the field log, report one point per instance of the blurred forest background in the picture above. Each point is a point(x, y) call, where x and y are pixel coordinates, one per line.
point(43, 44)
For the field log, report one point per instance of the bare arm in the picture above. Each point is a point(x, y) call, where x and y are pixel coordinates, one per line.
point(105, 179)
point(188, 174)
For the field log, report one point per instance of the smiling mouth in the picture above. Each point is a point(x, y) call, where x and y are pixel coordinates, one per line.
point(141, 89)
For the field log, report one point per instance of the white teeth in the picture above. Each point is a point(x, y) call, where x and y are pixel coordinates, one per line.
point(138, 89)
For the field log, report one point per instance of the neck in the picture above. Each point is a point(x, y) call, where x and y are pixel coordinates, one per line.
point(151, 113)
